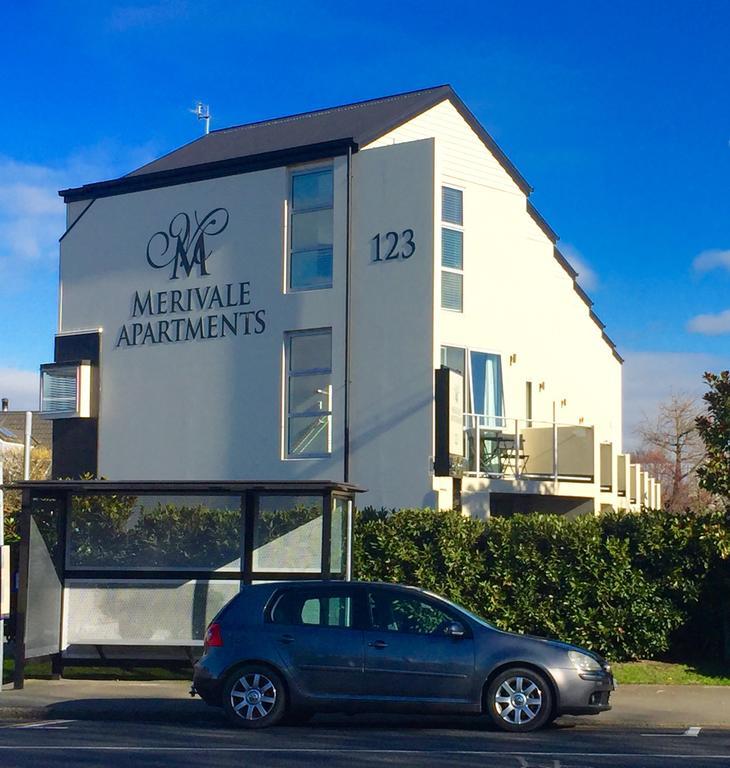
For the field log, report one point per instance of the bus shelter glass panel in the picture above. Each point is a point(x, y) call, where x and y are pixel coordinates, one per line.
point(117, 531)
point(45, 575)
point(143, 612)
point(338, 538)
point(287, 534)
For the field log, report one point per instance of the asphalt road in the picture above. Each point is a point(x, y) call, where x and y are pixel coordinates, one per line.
point(352, 742)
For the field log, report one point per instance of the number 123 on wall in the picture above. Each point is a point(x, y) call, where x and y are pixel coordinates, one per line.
point(393, 245)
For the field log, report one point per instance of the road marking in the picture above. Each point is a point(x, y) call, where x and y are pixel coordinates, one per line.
point(349, 751)
point(691, 731)
point(50, 725)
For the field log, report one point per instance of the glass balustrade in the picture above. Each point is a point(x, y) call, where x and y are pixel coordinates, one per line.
point(503, 447)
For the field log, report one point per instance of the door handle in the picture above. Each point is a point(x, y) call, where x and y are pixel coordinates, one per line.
point(286, 639)
point(378, 644)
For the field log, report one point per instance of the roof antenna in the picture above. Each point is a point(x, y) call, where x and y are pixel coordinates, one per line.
point(202, 112)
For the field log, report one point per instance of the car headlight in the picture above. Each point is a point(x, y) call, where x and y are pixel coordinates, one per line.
point(583, 662)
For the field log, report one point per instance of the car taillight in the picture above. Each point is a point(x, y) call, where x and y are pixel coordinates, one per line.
point(213, 637)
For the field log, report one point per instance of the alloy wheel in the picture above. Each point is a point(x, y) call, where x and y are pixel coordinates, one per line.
point(518, 700)
point(253, 696)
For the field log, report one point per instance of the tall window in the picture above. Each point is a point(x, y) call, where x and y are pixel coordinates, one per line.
point(486, 387)
point(309, 393)
point(310, 246)
point(452, 249)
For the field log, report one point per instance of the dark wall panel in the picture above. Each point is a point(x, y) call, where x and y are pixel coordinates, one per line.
point(76, 441)
point(77, 346)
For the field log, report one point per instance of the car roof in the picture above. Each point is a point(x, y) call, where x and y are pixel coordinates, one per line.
point(309, 583)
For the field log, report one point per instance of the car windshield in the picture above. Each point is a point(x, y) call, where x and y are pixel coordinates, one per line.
point(461, 609)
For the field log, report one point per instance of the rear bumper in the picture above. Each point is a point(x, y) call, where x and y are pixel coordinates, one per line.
point(206, 686)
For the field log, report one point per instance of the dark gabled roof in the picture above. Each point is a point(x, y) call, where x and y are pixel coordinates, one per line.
point(12, 429)
point(362, 122)
point(296, 138)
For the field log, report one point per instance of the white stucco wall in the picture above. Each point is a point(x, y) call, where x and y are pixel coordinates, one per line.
point(200, 409)
point(213, 409)
point(392, 326)
point(518, 300)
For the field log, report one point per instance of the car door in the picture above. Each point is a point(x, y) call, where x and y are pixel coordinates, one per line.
point(408, 655)
point(319, 639)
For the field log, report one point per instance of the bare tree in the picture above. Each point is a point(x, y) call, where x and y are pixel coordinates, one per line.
point(40, 469)
point(674, 449)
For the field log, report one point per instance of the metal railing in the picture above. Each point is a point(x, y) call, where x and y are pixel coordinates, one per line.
point(503, 447)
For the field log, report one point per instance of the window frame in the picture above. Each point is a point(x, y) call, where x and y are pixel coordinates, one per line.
point(448, 225)
point(291, 212)
point(451, 611)
point(469, 384)
point(453, 188)
point(346, 589)
point(287, 413)
point(80, 372)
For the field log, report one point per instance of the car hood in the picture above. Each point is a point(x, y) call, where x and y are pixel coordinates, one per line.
point(556, 644)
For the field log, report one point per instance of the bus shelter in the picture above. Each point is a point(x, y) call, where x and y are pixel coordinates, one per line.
point(135, 571)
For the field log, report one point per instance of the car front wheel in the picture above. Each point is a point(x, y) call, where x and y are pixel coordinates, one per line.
point(519, 700)
point(254, 697)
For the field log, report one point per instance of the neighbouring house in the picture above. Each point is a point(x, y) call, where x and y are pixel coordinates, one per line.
point(12, 429)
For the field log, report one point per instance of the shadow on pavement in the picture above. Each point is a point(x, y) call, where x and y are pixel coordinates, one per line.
point(196, 713)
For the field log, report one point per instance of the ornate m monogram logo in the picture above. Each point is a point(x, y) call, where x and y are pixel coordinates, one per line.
point(183, 245)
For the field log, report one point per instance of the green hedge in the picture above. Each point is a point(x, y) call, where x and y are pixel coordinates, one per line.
point(622, 584)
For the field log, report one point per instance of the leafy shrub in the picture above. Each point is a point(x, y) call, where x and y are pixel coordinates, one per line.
point(620, 583)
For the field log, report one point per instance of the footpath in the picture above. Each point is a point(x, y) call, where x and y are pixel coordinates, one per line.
point(634, 706)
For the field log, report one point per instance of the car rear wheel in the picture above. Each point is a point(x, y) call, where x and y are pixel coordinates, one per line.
point(519, 700)
point(254, 697)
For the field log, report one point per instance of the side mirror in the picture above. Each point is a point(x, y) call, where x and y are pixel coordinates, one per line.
point(455, 630)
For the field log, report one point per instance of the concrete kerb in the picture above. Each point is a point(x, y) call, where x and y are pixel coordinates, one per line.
point(634, 706)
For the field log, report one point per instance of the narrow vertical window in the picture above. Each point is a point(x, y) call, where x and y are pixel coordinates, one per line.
point(309, 393)
point(455, 358)
point(528, 403)
point(452, 249)
point(452, 206)
point(310, 230)
point(487, 398)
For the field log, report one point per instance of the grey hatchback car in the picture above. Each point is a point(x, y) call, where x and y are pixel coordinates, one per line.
point(290, 649)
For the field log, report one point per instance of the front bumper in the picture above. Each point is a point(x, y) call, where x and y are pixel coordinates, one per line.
point(585, 693)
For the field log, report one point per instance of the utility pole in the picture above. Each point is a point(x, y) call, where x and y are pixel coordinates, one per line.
point(27, 446)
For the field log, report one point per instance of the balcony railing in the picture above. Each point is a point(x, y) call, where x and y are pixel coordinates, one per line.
point(502, 447)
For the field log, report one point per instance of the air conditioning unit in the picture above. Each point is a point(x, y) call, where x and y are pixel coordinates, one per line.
point(66, 390)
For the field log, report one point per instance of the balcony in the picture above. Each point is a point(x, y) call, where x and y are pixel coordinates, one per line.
point(499, 447)
point(528, 449)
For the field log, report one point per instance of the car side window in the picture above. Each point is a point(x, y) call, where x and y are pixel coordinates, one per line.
point(299, 607)
point(394, 612)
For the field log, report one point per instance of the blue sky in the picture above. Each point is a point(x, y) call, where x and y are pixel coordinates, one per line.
point(616, 112)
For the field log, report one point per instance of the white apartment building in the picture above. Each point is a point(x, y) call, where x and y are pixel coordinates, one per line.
point(271, 302)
